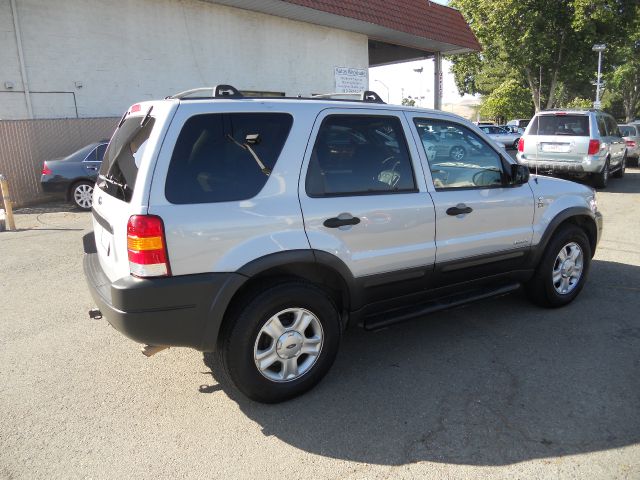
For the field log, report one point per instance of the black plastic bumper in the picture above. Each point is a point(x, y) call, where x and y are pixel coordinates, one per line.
point(184, 311)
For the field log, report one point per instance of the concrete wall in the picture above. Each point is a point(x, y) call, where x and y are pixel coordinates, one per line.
point(124, 51)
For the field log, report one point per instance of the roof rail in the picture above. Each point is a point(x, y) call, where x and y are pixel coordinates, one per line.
point(227, 91)
point(219, 91)
point(365, 96)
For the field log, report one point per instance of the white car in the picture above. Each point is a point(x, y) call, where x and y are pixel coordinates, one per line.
point(502, 136)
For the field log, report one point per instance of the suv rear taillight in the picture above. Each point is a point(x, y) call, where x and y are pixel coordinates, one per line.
point(147, 247)
point(45, 169)
point(521, 145)
point(630, 143)
point(594, 147)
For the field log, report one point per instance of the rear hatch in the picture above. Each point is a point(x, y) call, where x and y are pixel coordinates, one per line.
point(558, 137)
point(121, 187)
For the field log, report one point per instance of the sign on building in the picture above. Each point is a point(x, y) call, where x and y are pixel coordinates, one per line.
point(351, 80)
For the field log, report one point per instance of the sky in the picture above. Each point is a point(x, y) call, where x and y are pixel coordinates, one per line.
point(402, 78)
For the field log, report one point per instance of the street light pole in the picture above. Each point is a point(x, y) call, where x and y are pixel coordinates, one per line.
point(419, 71)
point(385, 86)
point(601, 47)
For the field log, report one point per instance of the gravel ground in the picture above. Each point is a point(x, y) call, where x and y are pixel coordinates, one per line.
point(498, 389)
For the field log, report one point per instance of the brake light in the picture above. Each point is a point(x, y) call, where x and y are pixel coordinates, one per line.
point(45, 169)
point(521, 145)
point(135, 108)
point(594, 147)
point(146, 247)
point(630, 143)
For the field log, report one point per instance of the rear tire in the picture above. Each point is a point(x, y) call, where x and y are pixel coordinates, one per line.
point(600, 180)
point(82, 195)
point(263, 347)
point(563, 269)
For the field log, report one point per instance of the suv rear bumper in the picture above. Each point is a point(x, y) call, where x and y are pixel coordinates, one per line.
point(563, 167)
point(183, 311)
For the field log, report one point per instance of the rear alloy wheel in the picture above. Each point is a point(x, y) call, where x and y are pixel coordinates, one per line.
point(281, 342)
point(623, 167)
point(601, 179)
point(457, 153)
point(563, 269)
point(82, 195)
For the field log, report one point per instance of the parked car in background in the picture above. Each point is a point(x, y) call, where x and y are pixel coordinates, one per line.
point(519, 122)
point(631, 136)
point(72, 178)
point(447, 143)
point(513, 129)
point(501, 136)
point(576, 143)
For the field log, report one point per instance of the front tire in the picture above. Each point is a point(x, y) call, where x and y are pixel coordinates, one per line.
point(563, 269)
point(281, 343)
point(82, 195)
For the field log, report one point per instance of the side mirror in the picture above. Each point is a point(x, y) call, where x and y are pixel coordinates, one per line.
point(519, 174)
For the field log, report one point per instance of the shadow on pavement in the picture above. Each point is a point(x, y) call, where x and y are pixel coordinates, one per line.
point(493, 383)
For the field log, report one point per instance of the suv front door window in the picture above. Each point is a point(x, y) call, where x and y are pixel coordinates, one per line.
point(479, 215)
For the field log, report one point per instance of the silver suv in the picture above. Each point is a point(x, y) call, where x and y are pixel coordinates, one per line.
point(575, 143)
point(261, 228)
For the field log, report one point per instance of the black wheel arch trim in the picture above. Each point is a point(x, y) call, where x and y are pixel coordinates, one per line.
point(562, 216)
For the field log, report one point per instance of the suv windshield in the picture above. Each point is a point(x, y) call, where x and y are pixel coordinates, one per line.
point(122, 158)
point(571, 125)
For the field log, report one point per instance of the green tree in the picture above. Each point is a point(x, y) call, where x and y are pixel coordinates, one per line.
point(544, 45)
point(578, 102)
point(509, 100)
point(408, 102)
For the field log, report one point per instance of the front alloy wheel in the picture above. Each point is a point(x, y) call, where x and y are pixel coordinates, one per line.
point(567, 269)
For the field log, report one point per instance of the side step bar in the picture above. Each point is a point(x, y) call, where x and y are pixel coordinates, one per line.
point(408, 313)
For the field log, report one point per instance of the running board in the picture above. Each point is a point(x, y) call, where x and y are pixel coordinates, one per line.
point(408, 313)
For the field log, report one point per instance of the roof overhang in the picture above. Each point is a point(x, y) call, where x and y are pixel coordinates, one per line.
point(414, 44)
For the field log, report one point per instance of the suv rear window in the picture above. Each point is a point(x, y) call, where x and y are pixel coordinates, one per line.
point(628, 131)
point(213, 160)
point(571, 125)
point(121, 161)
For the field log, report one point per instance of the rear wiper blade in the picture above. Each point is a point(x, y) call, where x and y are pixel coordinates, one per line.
point(110, 180)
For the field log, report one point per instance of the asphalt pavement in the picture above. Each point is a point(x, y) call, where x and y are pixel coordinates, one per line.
point(497, 389)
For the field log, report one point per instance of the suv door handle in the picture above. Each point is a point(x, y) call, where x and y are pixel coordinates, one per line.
point(336, 222)
point(460, 209)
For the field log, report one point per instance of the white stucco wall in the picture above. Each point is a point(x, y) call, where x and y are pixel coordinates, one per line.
point(124, 51)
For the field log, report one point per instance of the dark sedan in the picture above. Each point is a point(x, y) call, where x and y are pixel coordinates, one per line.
point(72, 178)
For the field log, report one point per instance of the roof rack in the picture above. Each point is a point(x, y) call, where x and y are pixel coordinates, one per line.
point(219, 91)
point(366, 96)
point(228, 91)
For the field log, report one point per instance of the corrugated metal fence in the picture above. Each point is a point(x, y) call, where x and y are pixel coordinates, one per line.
point(25, 144)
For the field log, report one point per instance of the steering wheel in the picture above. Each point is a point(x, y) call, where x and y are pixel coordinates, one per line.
point(485, 178)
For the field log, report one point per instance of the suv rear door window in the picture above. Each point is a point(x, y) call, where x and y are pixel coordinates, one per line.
point(360, 154)
point(213, 160)
point(612, 127)
point(570, 125)
point(121, 160)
